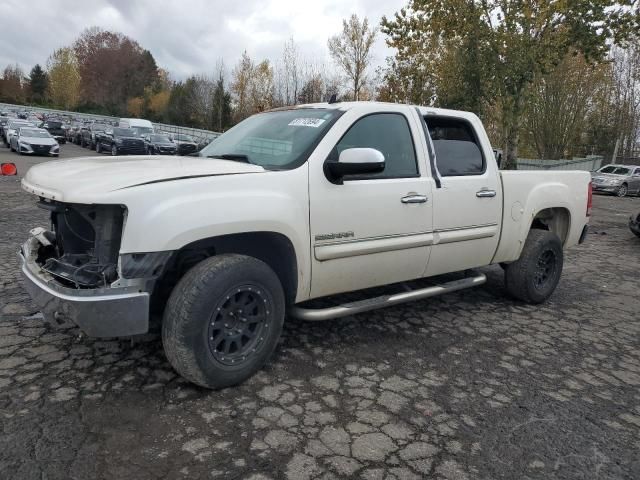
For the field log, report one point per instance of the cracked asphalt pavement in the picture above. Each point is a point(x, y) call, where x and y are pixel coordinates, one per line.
point(464, 386)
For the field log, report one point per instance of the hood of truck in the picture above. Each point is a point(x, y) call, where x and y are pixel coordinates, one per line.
point(76, 180)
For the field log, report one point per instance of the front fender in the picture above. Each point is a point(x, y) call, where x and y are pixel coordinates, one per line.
point(167, 216)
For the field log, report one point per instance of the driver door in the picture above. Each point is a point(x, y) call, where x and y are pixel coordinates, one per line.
point(373, 229)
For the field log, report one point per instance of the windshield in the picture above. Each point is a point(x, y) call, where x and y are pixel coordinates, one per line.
point(614, 170)
point(27, 132)
point(124, 132)
point(183, 138)
point(160, 138)
point(54, 124)
point(280, 140)
point(98, 127)
point(142, 131)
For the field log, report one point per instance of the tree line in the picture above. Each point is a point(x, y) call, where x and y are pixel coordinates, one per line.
point(549, 79)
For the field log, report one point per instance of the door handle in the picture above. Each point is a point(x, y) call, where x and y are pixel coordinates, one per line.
point(414, 198)
point(485, 193)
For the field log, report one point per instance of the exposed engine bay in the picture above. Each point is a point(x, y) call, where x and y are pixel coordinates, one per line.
point(81, 250)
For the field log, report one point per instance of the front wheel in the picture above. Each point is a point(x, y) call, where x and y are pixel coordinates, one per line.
point(223, 320)
point(534, 276)
point(622, 190)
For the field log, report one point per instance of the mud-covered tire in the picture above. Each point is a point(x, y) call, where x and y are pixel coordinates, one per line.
point(198, 311)
point(534, 276)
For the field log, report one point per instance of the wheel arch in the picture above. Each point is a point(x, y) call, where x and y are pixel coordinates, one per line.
point(273, 248)
point(553, 219)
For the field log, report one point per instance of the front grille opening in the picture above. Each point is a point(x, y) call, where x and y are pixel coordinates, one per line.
point(86, 246)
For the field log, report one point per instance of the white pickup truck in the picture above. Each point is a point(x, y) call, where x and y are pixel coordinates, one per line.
point(288, 206)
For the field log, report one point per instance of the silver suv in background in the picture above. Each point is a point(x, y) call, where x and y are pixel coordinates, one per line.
point(617, 179)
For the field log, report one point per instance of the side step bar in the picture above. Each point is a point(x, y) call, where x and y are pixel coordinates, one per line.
point(320, 314)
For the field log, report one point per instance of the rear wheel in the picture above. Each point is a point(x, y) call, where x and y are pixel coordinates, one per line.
point(98, 148)
point(622, 190)
point(223, 320)
point(114, 150)
point(534, 276)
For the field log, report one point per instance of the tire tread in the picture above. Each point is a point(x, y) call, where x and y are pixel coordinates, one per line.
point(183, 300)
point(518, 273)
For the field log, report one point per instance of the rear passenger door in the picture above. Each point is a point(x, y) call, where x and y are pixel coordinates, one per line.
point(467, 205)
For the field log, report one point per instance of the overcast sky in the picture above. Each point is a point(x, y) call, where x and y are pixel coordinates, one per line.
point(185, 36)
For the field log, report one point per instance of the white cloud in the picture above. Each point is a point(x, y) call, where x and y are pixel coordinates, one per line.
point(185, 36)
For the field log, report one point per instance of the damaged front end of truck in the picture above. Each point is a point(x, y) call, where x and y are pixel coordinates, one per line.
point(73, 271)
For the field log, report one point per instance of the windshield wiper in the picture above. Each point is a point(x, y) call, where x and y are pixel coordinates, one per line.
point(238, 157)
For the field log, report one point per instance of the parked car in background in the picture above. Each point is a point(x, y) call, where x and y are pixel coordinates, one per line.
point(160, 144)
point(12, 128)
point(617, 179)
point(121, 141)
point(72, 130)
point(78, 134)
point(203, 142)
point(54, 127)
point(185, 144)
point(3, 123)
point(634, 224)
point(140, 126)
point(88, 135)
point(34, 141)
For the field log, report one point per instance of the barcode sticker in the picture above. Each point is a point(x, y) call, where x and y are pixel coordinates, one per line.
point(307, 122)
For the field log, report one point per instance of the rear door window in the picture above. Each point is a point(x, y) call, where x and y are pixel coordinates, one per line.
point(456, 146)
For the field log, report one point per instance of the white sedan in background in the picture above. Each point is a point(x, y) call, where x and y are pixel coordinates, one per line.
point(34, 141)
point(11, 129)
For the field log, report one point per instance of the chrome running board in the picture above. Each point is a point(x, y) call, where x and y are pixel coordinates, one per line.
point(320, 314)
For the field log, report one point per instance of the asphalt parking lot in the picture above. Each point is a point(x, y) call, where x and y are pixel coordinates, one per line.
point(465, 386)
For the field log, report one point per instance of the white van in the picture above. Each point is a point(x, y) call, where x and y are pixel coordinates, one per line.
point(139, 125)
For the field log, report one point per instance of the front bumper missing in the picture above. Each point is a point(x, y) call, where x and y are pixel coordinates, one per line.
point(99, 312)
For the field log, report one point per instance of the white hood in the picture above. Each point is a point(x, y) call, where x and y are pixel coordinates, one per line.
point(79, 178)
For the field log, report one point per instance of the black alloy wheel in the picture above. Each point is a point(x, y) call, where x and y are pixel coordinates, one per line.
point(545, 269)
point(238, 323)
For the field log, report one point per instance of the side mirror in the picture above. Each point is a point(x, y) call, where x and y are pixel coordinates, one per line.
point(355, 161)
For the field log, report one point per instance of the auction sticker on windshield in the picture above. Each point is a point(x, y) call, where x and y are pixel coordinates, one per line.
point(307, 122)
